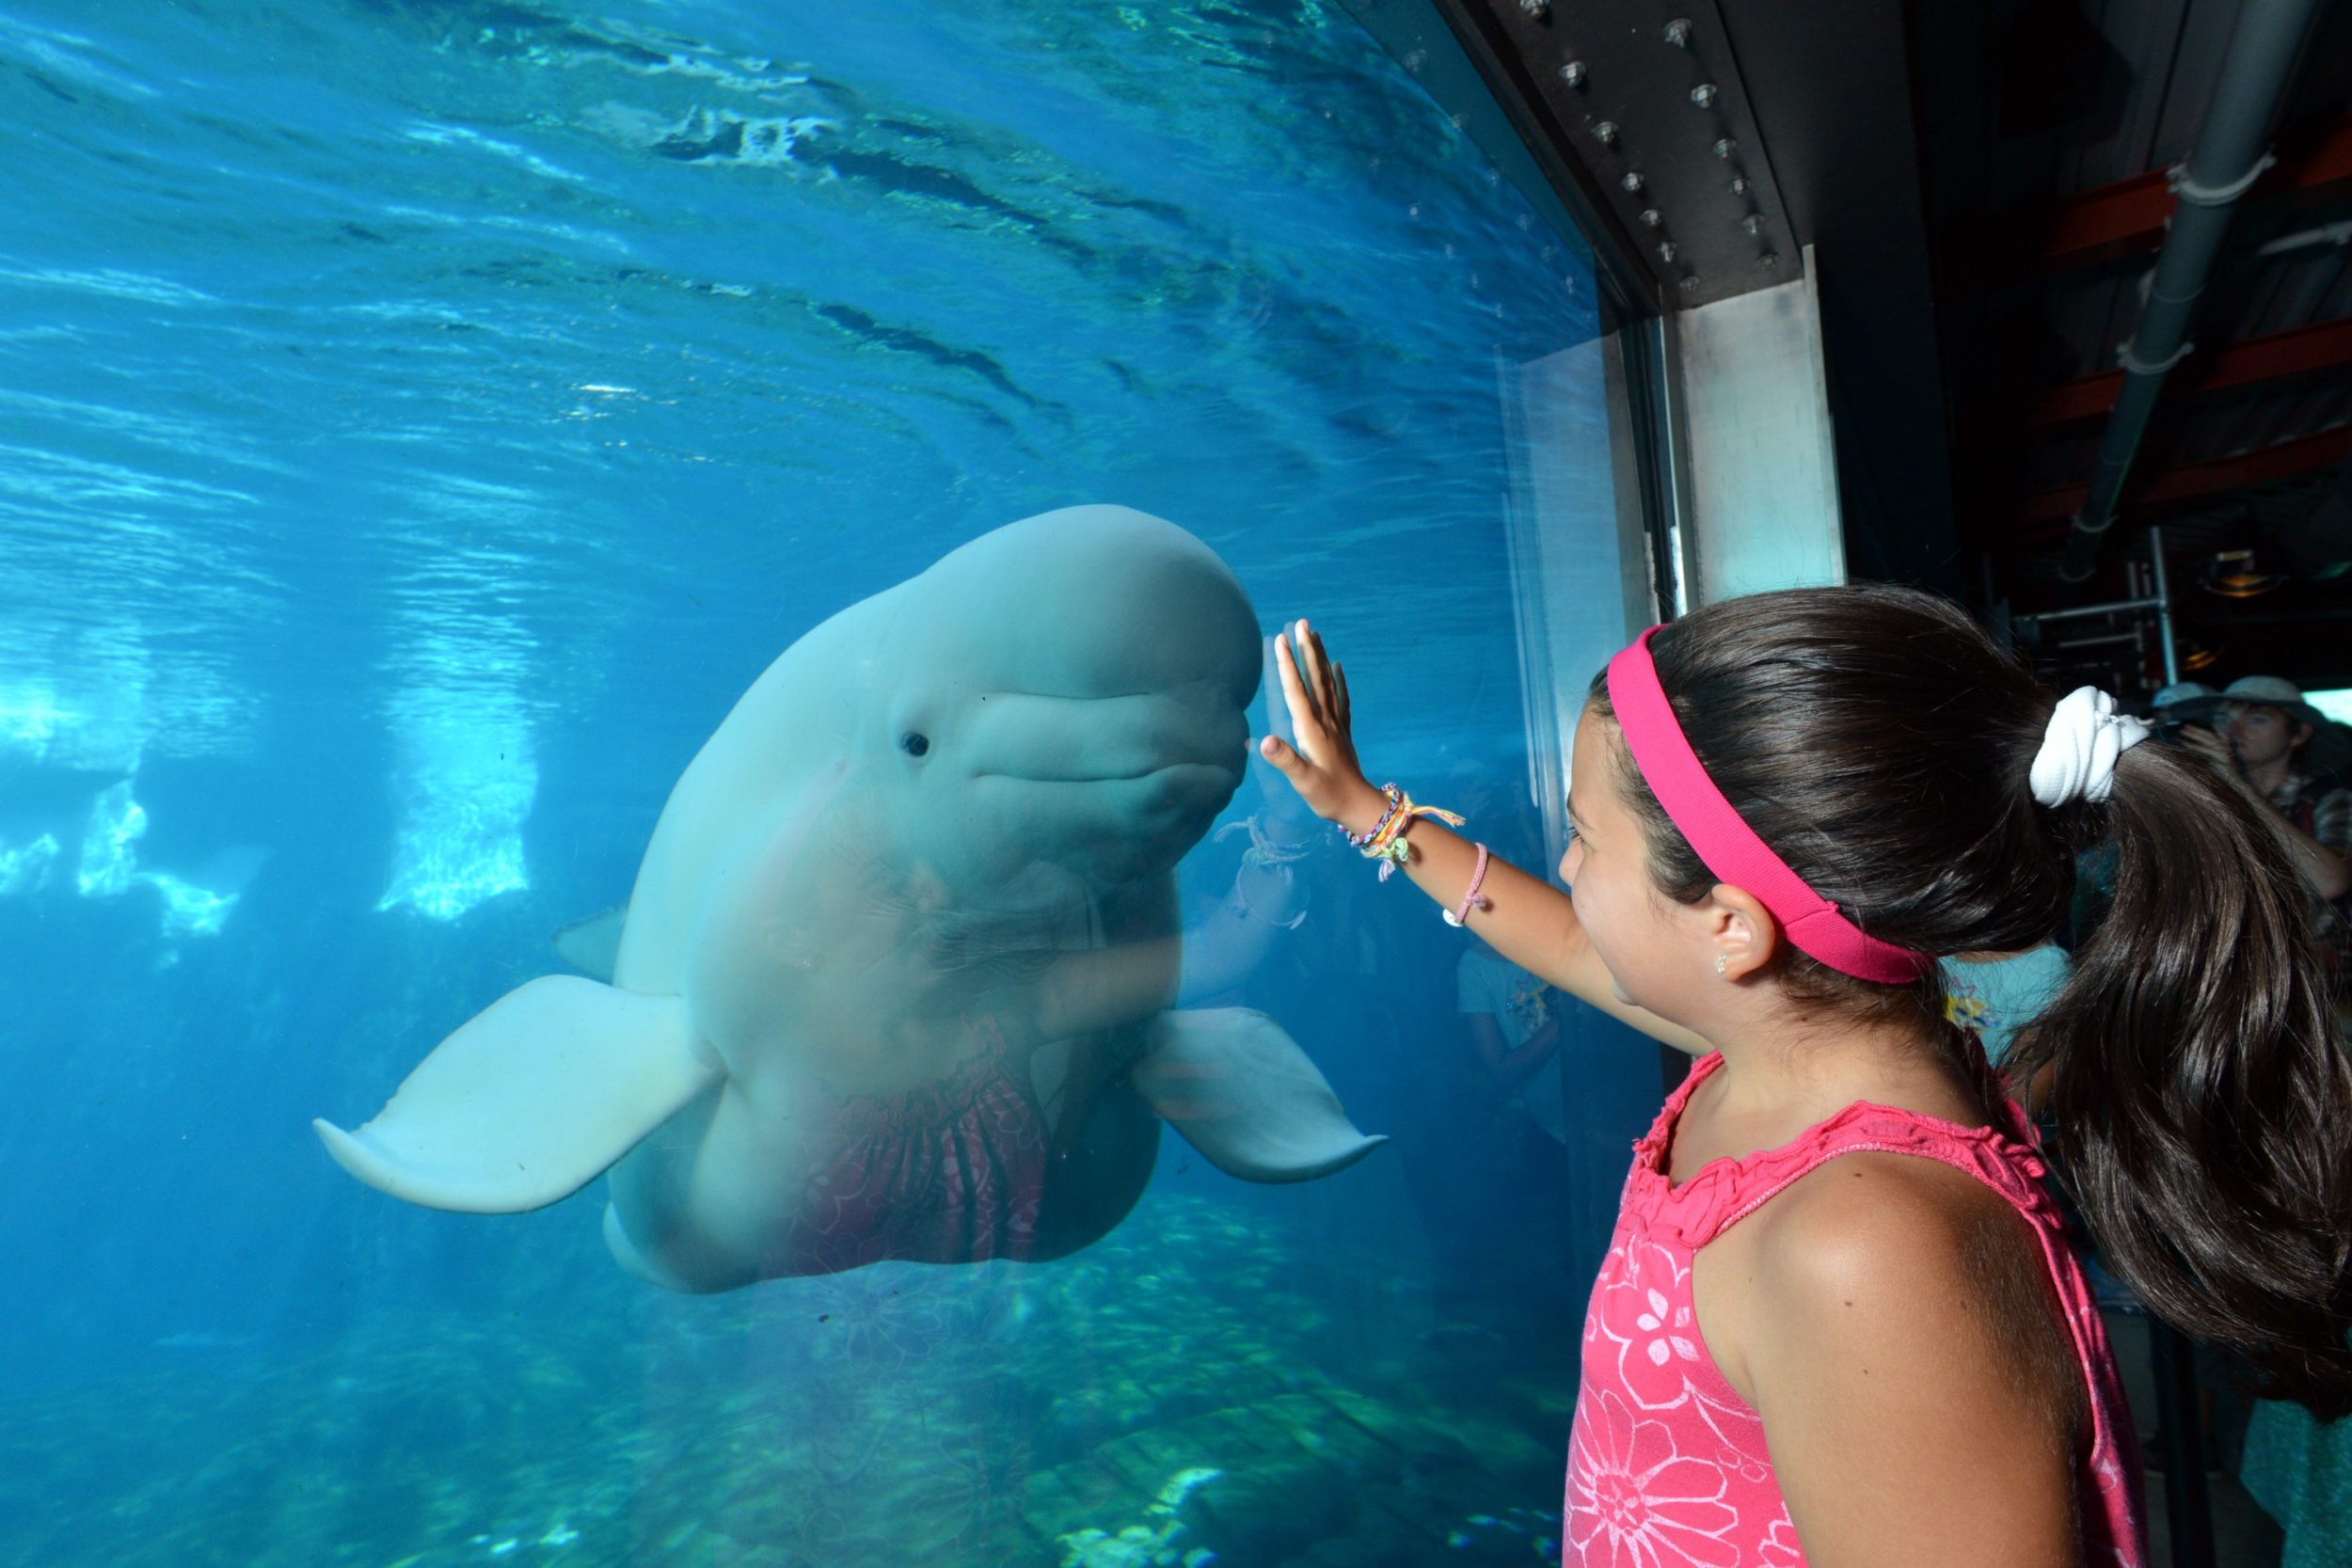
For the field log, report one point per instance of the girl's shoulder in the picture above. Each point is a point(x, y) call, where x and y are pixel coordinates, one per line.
point(1869, 1211)
point(1909, 1262)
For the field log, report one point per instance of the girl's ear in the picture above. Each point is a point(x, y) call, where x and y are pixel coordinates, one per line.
point(1744, 932)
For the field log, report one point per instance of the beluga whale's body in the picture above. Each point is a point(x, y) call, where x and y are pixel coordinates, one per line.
point(894, 977)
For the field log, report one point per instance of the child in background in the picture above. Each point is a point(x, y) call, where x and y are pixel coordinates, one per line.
point(1515, 1031)
point(1993, 995)
point(1840, 1323)
point(1513, 1019)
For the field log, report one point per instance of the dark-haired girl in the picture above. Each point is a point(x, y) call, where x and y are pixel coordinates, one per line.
point(1840, 1323)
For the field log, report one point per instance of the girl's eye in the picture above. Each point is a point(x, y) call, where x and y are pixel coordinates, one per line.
point(914, 744)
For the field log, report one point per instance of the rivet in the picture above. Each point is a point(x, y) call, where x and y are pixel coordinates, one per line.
point(1652, 216)
point(1678, 32)
point(1752, 224)
point(1690, 285)
point(1725, 148)
point(1704, 95)
point(1535, 9)
point(1767, 260)
point(1606, 130)
point(1739, 184)
point(1573, 74)
point(1666, 251)
point(1632, 183)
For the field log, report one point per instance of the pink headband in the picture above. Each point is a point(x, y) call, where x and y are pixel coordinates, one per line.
point(1725, 842)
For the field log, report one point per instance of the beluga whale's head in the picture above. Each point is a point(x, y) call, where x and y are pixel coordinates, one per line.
point(1060, 706)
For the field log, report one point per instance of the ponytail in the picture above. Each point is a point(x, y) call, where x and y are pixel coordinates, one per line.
point(2202, 1095)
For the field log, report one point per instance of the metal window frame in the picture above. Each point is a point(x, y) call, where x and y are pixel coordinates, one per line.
point(1645, 390)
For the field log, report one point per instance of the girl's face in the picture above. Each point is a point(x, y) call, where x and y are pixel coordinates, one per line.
point(1654, 952)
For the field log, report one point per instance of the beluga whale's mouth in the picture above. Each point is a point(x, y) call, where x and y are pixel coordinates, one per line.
point(1111, 788)
point(1104, 740)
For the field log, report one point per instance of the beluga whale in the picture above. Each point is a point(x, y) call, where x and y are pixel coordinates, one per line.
point(895, 979)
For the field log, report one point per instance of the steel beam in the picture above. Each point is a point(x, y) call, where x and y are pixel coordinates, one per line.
point(2189, 483)
point(2276, 357)
point(2125, 219)
point(1655, 117)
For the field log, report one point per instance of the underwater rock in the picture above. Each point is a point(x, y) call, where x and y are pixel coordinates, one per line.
point(1158, 1542)
point(1297, 1470)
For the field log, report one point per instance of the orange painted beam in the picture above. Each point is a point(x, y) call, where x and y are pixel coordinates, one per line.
point(2298, 351)
point(2196, 482)
point(2123, 218)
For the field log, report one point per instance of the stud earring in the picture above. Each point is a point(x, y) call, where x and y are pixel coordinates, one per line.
point(1720, 960)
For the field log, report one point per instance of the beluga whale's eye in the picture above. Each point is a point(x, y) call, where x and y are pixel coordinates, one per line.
point(914, 744)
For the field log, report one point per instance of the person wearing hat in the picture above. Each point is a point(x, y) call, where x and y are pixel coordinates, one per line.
point(2298, 1469)
point(2265, 727)
point(2268, 725)
point(2183, 703)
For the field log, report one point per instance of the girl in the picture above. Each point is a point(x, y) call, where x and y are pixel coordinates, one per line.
point(1839, 1324)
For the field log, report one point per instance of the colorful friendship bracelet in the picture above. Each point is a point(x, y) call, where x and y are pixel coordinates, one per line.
point(1396, 803)
point(1386, 842)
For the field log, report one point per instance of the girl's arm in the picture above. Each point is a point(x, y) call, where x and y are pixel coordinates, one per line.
point(1223, 950)
point(1528, 921)
point(2322, 868)
point(1079, 992)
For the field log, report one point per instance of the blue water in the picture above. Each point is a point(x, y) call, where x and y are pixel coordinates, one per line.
point(419, 422)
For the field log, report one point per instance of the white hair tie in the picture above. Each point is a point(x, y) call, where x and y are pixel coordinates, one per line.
point(2078, 750)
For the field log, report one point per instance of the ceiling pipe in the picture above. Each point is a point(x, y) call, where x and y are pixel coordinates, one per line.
point(2229, 157)
point(2161, 582)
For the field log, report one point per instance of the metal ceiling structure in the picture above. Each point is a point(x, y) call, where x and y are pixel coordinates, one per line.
point(1659, 122)
point(2051, 133)
point(1985, 185)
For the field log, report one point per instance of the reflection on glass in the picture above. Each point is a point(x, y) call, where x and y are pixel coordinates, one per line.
point(419, 426)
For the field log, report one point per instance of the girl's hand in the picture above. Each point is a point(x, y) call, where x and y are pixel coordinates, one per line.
point(1322, 765)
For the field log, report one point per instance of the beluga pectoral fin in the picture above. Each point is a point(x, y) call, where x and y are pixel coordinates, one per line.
point(592, 945)
point(529, 1101)
point(1242, 1093)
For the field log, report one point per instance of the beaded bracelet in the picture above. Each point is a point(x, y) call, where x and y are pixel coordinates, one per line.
point(1364, 840)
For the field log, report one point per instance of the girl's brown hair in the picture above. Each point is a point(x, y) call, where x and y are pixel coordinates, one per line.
point(1879, 741)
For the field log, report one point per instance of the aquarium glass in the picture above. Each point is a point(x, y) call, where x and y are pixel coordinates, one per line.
point(421, 423)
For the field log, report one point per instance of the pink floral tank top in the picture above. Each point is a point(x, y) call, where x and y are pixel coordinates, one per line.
point(1668, 1465)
